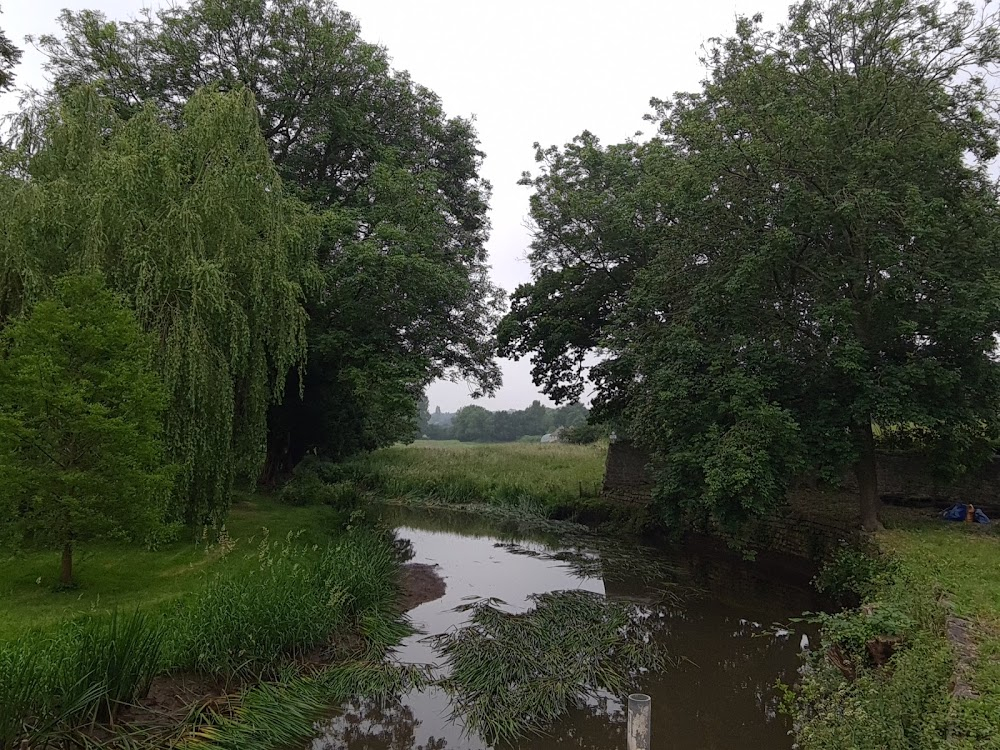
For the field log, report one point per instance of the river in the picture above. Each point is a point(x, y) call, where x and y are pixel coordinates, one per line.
point(719, 622)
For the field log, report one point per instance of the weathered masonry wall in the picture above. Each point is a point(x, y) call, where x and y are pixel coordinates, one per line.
point(812, 520)
point(905, 477)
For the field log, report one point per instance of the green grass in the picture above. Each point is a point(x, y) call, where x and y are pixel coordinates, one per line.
point(926, 571)
point(113, 576)
point(260, 610)
point(964, 563)
point(549, 477)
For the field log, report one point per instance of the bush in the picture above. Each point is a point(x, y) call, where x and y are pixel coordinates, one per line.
point(898, 705)
point(320, 483)
point(584, 434)
point(855, 572)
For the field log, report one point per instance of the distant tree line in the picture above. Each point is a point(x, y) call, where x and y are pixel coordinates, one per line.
point(475, 424)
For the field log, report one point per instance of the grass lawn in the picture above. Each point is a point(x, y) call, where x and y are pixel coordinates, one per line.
point(964, 562)
point(112, 575)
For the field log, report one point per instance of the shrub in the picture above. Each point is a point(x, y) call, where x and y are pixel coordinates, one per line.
point(584, 434)
point(854, 572)
point(899, 705)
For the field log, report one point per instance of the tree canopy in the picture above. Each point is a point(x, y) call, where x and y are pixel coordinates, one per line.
point(80, 450)
point(598, 213)
point(826, 257)
point(190, 224)
point(405, 296)
point(9, 58)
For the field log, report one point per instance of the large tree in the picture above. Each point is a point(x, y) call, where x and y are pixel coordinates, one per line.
point(835, 263)
point(9, 58)
point(191, 225)
point(80, 450)
point(406, 296)
point(817, 253)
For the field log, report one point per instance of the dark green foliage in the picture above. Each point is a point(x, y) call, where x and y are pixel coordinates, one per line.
point(512, 674)
point(855, 571)
point(9, 58)
point(584, 434)
point(599, 212)
point(189, 223)
point(834, 261)
point(405, 296)
point(80, 430)
point(808, 248)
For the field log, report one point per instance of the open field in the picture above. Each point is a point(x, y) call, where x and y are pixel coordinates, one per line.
point(550, 478)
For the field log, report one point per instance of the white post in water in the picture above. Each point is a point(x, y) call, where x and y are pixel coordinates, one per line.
point(639, 721)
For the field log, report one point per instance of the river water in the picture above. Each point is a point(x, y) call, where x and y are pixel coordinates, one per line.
point(719, 622)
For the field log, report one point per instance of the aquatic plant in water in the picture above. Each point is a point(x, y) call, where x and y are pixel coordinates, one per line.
point(517, 673)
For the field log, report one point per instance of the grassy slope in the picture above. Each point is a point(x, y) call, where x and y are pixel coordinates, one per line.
point(111, 575)
point(965, 563)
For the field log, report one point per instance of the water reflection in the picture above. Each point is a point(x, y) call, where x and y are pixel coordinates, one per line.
point(712, 614)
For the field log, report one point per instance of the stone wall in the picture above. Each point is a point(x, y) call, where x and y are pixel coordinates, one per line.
point(906, 478)
point(807, 527)
point(814, 520)
point(626, 479)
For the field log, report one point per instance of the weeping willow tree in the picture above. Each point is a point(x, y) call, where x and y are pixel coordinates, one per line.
point(189, 223)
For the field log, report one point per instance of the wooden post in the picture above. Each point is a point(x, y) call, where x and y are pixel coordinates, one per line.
point(639, 721)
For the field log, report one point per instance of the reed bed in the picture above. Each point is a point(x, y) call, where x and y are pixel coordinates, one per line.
point(248, 624)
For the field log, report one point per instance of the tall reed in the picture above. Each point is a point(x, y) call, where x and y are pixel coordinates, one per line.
point(246, 622)
point(54, 682)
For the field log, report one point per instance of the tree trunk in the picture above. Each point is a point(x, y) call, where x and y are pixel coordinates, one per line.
point(867, 473)
point(66, 575)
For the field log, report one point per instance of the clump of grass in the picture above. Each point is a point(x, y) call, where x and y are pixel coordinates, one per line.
point(246, 622)
point(55, 682)
point(277, 714)
point(517, 673)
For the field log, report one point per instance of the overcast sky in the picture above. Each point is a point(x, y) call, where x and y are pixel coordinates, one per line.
point(527, 70)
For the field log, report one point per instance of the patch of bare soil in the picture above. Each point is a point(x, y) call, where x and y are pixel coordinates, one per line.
point(421, 583)
point(960, 634)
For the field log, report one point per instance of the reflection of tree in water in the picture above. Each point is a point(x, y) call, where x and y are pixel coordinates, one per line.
point(370, 725)
point(711, 611)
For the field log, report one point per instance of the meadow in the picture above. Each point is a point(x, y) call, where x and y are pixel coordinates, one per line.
point(555, 480)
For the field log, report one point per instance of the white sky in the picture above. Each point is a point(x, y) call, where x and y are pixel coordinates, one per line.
point(528, 70)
